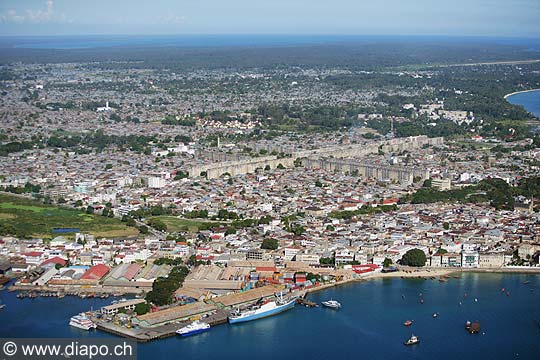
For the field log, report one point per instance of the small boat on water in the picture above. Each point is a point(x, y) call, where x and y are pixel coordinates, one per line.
point(194, 328)
point(435, 315)
point(472, 328)
point(333, 304)
point(408, 323)
point(442, 280)
point(412, 340)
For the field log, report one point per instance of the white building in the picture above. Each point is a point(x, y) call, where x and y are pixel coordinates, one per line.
point(155, 182)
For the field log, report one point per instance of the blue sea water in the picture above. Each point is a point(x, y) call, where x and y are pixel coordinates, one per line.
point(529, 100)
point(369, 325)
point(224, 40)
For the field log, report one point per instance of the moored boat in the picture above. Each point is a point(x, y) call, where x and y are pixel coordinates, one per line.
point(194, 328)
point(81, 321)
point(333, 304)
point(407, 323)
point(262, 309)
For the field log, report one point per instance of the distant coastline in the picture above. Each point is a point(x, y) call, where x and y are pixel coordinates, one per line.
point(519, 92)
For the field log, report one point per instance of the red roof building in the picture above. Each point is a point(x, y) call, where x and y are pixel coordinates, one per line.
point(55, 260)
point(96, 272)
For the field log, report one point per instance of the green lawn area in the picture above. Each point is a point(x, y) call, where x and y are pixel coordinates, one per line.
point(175, 224)
point(31, 218)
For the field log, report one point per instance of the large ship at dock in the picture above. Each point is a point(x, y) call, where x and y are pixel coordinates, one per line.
point(263, 308)
point(81, 321)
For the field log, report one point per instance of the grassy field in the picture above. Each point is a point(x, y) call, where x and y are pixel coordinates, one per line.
point(175, 224)
point(31, 218)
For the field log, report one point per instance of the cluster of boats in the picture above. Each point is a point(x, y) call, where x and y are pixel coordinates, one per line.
point(58, 294)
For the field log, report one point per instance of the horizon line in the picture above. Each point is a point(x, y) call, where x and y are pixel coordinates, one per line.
point(529, 37)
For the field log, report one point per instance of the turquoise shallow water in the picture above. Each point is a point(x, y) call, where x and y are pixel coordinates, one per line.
point(369, 325)
point(529, 100)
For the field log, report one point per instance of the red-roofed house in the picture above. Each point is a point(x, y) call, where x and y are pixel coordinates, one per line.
point(131, 271)
point(96, 272)
point(392, 201)
point(53, 261)
point(33, 257)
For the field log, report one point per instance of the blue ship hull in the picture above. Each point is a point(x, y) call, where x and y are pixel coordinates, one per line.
point(194, 332)
point(261, 315)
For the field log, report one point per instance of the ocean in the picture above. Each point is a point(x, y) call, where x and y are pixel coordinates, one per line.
point(529, 100)
point(369, 324)
point(227, 40)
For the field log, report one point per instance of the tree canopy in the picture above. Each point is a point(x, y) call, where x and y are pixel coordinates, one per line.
point(414, 257)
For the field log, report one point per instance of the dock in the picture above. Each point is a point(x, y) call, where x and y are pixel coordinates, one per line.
point(306, 303)
point(146, 334)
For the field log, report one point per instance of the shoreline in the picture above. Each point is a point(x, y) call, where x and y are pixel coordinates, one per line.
point(425, 273)
point(519, 92)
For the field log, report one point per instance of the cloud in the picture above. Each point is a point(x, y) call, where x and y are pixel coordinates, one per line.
point(34, 16)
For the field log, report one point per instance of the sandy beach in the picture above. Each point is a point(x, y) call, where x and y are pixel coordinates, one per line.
point(519, 92)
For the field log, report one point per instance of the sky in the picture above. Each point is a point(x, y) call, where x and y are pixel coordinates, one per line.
point(498, 18)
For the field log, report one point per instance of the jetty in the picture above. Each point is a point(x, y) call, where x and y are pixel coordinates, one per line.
point(146, 334)
point(306, 303)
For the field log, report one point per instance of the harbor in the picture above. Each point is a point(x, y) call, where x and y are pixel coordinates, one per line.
point(164, 323)
point(371, 317)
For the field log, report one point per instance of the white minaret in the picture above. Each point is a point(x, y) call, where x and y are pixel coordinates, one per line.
point(107, 105)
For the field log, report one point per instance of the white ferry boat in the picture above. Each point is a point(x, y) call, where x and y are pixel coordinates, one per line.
point(81, 321)
point(194, 328)
point(262, 309)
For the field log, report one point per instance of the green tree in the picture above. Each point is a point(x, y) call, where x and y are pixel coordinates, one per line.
point(271, 244)
point(143, 229)
point(327, 260)
point(89, 209)
point(414, 257)
point(157, 224)
point(142, 308)
point(387, 263)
